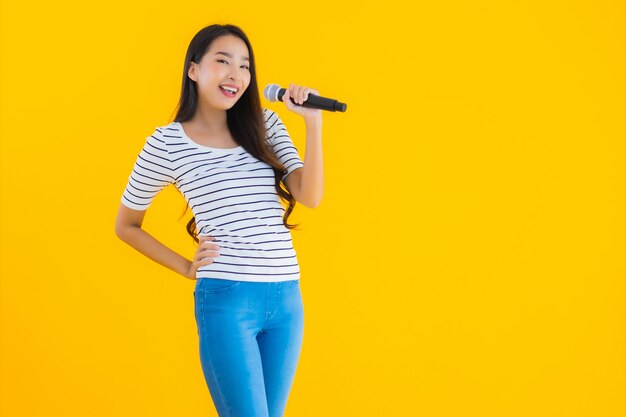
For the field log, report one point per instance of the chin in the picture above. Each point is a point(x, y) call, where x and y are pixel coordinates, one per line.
point(224, 106)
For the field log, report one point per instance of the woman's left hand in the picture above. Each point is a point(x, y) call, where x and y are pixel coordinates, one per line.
point(300, 94)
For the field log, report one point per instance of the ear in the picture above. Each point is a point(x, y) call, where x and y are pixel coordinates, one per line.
point(192, 71)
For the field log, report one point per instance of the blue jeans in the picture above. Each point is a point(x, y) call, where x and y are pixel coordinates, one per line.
point(250, 336)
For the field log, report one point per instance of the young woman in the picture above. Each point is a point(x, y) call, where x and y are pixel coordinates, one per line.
point(233, 161)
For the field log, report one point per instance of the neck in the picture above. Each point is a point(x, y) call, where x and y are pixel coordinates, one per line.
point(209, 120)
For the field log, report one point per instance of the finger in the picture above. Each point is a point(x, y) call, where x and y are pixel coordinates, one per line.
point(303, 93)
point(199, 262)
point(298, 93)
point(293, 92)
point(209, 252)
point(306, 94)
point(208, 244)
point(201, 257)
point(202, 262)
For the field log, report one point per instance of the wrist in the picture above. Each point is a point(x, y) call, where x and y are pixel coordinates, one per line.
point(313, 120)
point(187, 268)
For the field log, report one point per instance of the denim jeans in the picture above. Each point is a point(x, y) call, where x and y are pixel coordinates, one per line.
point(250, 336)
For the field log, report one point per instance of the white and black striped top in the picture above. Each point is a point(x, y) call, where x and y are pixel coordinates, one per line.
point(231, 194)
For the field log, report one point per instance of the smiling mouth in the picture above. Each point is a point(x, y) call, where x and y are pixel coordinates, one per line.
point(229, 92)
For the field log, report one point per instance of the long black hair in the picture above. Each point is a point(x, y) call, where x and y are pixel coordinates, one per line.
point(245, 119)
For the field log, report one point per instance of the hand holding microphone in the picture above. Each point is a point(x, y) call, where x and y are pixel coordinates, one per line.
point(301, 97)
point(295, 96)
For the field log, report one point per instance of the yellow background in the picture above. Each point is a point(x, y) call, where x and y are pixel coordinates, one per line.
point(467, 259)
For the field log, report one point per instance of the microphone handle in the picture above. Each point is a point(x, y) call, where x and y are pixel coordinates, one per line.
point(316, 102)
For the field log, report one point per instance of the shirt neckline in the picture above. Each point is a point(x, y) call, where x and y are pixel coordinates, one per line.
point(191, 142)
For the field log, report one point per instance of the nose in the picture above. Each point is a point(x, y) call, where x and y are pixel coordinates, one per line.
point(234, 77)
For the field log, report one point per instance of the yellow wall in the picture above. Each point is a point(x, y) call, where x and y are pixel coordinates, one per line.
point(467, 259)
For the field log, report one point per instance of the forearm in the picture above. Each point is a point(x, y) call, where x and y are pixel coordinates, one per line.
point(155, 250)
point(312, 181)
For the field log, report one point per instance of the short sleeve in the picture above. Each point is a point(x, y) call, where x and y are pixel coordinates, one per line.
point(281, 143)
point(151, 173)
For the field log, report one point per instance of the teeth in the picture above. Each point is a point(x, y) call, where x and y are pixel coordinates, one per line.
point(232, 90)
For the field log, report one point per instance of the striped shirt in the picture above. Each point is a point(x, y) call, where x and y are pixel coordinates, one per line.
point(231, 194)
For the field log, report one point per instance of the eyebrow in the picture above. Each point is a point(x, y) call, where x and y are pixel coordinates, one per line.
point(245, 58)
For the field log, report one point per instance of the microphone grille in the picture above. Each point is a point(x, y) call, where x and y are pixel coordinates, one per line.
point(271, 92)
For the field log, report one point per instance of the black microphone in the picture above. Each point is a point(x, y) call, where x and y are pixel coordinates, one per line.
point(273, 92)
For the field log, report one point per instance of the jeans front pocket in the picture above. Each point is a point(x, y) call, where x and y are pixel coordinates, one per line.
point(215, 285)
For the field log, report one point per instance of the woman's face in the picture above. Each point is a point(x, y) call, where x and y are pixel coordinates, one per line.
point(226, 62)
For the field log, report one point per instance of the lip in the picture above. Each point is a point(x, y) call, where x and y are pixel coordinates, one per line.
point(225, 94)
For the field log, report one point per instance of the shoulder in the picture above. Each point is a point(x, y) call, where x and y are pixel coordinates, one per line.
point(272, 121)
point(270, 116)
point(163, 140)
point(267, 112)
point(167, 130)
point(168, 134)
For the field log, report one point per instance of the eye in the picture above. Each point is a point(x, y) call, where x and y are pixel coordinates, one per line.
point(222, 60)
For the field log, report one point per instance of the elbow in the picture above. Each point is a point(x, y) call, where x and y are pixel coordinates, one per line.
point(316, 203)
point(122, 231)
point(312, 203)
point(119, 232)
point(125, 232)
point(127, 221)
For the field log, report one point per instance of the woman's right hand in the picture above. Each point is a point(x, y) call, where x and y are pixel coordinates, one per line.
point(204, 255)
